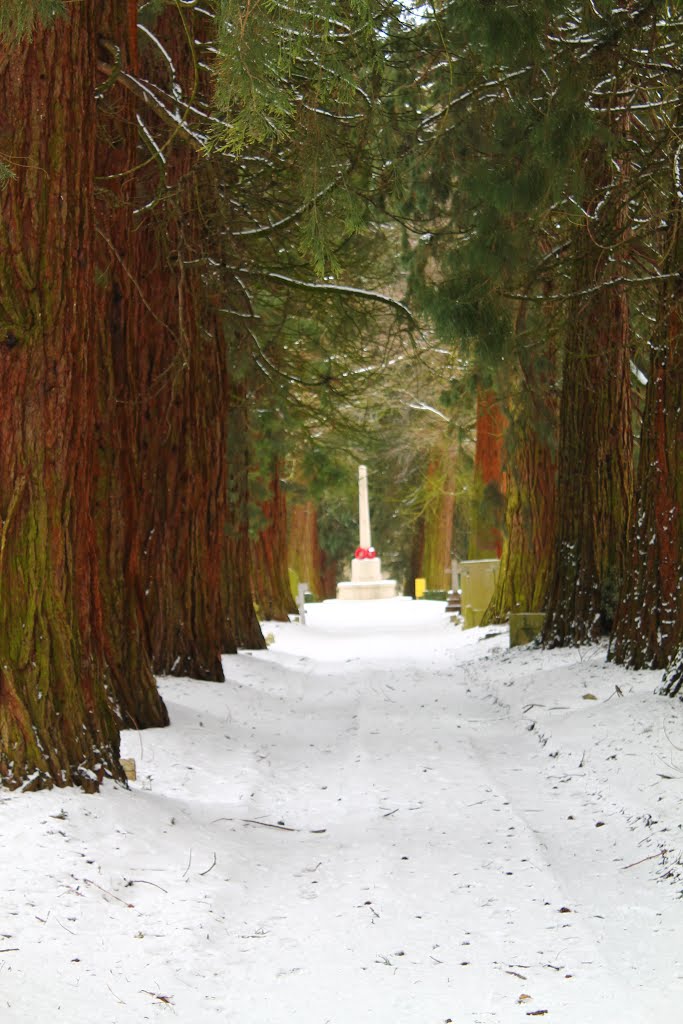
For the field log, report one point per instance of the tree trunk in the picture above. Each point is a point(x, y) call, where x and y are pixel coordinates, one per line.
point(305, 556)
point(438, 522)
point(415, 557)
point(270, 576)
point(531, 506)
point(648, 629)
point(489, 486)
point(178, 375)
point(116, 501)
point(242, 627)
point(328, 576)
point(595, 472)
point(57, 724)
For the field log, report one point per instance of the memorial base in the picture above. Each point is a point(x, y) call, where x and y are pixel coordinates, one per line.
point(372, 590)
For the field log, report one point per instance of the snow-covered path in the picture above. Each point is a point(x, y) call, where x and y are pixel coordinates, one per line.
point(361, 826)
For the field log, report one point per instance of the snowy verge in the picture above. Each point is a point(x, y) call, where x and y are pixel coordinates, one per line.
point(381, 819)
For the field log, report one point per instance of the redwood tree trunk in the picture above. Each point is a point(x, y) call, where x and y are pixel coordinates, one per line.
point(438, 523)
point(242, 627)
point(117, 507)
point(489, 507)
point(57, 723)
point(648, 630)
point(178, 371)
point(270, 576)
point(415, 557)
point(595, 454)
point(305, 556)
point(531, 505)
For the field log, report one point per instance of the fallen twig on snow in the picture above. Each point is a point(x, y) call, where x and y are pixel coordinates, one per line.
point(213, 865)
point(107, 893)
point(270, 824)
point(660, 853)
point(143, 881)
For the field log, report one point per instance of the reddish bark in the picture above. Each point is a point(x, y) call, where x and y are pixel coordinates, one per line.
point(328, 576)
point(531, 505)
point(270, 575)
point(648, 628)
point(57, 724)
point(415, 557)
point(178, 377)
point(117, 507)
point(487, 534)
point(437, 520)
point(241, 624)
point(132, 12)
point(305, 556)
point(595, 457)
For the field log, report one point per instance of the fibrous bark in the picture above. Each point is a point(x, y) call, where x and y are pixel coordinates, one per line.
point(270, 576)
point(531, 505)
point(138, 701)
point(437, 520)
point(648, 629)
point(489, 484)
point(595, 473)
point(305, 556)
point(241, 627)
point(57, 723)
point(178, 374)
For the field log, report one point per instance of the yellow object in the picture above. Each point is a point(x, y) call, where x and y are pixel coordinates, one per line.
point(477, 582)
point(420, 587)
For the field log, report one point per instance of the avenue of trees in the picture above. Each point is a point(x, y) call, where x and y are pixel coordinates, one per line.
point(244, 246)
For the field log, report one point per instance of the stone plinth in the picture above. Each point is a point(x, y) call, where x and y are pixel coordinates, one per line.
point(370, 590)
point(366, 570)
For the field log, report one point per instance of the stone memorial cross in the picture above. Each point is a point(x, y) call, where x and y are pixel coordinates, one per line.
point(363, 507)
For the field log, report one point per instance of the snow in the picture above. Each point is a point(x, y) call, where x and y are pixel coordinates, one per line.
point(463, 834)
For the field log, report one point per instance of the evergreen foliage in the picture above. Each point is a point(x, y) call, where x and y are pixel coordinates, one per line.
point(20, 18)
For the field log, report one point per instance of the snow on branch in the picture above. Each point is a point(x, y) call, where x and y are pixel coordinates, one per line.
point(423, 407)
point(339, 289)
point(150, 96)
point(562, 296)
point(264, 229)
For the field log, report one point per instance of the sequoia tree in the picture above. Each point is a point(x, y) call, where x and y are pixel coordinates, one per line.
point(116, 494)
point(269, 553)
point(57, 720)
point(175, 365)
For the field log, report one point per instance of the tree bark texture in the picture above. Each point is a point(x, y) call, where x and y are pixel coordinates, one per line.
point(595, 457)
point(531, 506)
point(438, 522)
point(648, 629)
point(414, 557)
point(328, 576)
point(242, 627)
point(305, 556)
point(270, 575)
point(177, 368)
point(489, 484)
point(116, 499)
point(57, 722)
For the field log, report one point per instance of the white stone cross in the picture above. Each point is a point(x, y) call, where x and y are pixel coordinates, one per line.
point(363, 507)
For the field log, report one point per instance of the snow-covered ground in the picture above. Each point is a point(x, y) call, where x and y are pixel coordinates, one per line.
point(380, 819)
